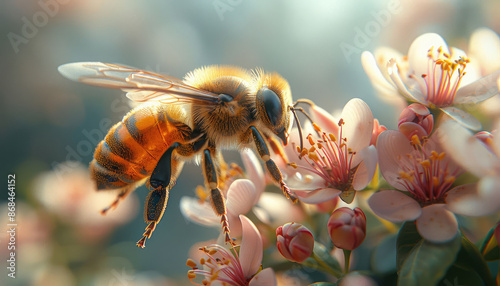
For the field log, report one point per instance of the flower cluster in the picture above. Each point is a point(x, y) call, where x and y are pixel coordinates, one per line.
point(357, 181)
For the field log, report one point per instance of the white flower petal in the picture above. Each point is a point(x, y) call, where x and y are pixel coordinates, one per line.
point(392, 146)
point(358, 127)
point(437, 224)
point(484, 47)
point(489, 190)
point(394, 206)
point(366, 169)
point(265, 278)
point(241, 197)
point(465, 200)
point(275, 209)
point(417, 53)
point(200, 213)
point(251, 248)
point(317, 196)
point(324, 120)
point(465, 149)
point(393, 71)
point(253, 169)
point(379, 82)
point(478, 90)
point(462, 117)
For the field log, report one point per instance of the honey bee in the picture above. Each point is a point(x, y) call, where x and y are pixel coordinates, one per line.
point(213, 108)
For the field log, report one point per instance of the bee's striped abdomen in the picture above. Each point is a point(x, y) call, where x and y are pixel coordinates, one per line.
point(131, 149)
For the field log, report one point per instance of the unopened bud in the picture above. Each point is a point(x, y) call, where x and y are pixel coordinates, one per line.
point(347, 228)
point(295, 242)
point(416, 119)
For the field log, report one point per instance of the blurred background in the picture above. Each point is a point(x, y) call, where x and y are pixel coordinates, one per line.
point(47, 120)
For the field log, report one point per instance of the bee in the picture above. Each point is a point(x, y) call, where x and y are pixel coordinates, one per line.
point(213, 108)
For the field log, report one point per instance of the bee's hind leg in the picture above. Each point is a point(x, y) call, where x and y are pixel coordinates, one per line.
point(218, 201)
point(121, 196)
point(161, 181)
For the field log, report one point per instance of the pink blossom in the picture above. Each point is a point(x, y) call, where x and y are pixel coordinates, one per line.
point(436, 76)
point(222, 266)
point(337, 159)
point(423, 174)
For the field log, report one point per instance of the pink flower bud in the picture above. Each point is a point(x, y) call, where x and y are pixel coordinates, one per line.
point(347, 227)
point(416, 119)
point(295, 242)
point(377, 129)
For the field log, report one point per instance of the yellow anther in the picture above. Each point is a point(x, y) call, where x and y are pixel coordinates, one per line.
point(303, 153)
point(212, 251)
point(311, 141)
point(450, 179)
point(312, 149)
point(202, 261)
point(405, 176)
point(190, 263)
point(316, 127)
point(425, 164)
point(298, 150)
point(293, 165)
point(424, 75)
point(435, 181)
point(320, 146)
point(415, 141)
point(441, 156)
point(313, 157)
point(341, 122)
point(332, 137)
point(191, 274)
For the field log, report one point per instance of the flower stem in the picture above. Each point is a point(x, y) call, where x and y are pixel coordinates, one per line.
point(325, 266)
point(347, 260)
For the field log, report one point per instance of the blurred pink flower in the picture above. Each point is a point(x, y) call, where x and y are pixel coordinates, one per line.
point(437, 76)
point(295, 242)
point(339, 160)
point(347, 227)
point(70, 194)
point(424, 174)
point(480, 155)
point(222, 266)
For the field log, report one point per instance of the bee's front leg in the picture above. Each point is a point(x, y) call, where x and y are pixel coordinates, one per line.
point(218, 202)
point(275, 172)
point(161, 181)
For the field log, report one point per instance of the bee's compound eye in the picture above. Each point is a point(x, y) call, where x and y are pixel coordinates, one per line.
point(272, 105)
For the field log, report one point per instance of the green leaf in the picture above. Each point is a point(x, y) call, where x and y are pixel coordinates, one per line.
point(323, 284)
point(428, 262)
point(490, 249)
point(458, 276)
point(408, 237)
point(383, 259)
point(469, 258)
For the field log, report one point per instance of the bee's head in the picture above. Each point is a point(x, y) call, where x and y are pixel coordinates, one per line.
point(274, 99)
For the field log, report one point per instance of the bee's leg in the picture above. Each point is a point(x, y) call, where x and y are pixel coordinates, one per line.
point(121, 195)
point(275, 172)
point(217, 199)
point(160, 183)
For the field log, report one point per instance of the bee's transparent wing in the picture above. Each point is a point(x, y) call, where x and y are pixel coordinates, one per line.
point(140, 85)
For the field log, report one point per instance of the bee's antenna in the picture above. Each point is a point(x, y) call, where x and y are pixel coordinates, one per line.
point(292, 108)
point(308, 102)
